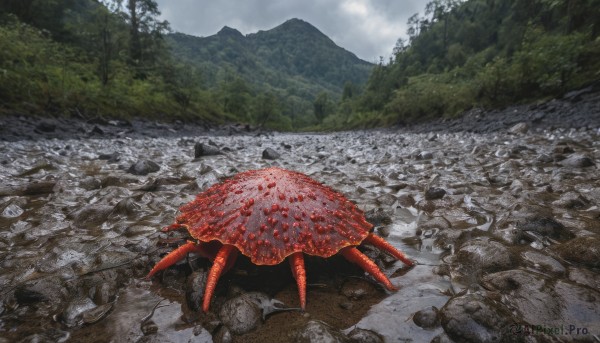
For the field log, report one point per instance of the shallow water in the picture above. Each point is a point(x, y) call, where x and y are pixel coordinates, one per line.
point(78, 231)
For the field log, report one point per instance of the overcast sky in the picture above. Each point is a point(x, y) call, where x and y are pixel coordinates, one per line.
point(368, 28)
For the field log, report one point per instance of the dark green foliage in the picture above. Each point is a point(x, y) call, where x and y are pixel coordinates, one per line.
point(294, 62)
point(88, 73)
point(484, 53)
point(322, 106)
point(83, 58)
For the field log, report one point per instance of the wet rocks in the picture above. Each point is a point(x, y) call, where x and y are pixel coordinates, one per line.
point(427, 318)
point(435, 193)
point(12, 210)
point(543, 262)
point(112, 157)
point(201, 149)
point(577, 161)
point(73, 314)
point(27, 296)
point(144, 167)
point(32, 188)
point(504, 233)
point(540, 299)
point(482, 255)
point(104, 292)
point(127, 206)
point(96, 314)
point(45, 126)
point(475, 318)
point(358, 335)
point(240, 315)
point(194, 291)
point(92, 215)
point(424, 155)
point(270, 154)
point(47, 290)
point(543, 225)
point(584, 277)
point(356, 289)
point(571, 200)
point(519, 128)
point(581, 250)
point(316, 331)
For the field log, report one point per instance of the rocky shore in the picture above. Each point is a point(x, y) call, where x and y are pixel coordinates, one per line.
point(575, 110)
point(501, 217)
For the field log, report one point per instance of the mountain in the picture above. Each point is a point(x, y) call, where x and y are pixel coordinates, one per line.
point(292, 59)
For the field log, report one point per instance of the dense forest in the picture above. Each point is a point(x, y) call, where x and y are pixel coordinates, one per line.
point(293, 61)
point(115, 58)
point(482, 53)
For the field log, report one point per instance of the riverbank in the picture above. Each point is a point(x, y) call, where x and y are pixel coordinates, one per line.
point(503, 227)
point(576, 110)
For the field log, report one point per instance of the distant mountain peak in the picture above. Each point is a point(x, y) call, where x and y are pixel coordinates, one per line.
point(228, 31)
point(294, 59)
point(296, 21)
point(297, 24)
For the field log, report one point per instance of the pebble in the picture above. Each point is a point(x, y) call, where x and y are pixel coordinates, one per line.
point(427, 318)
point(201, 149)
point(543, 225)
point(12, 211)
point(92, 215)
point(584, 276)
point(270, 154)
point(483, 255)
point(581, 250)
point(75, 310)
point(475, 318)
point(356, 289)
point(94, 315)
point(144, 167)
point(577, 161)
point(316, 331)
point(435, 193)
point(240, 315)
point(543, 262)
point(541, 299)
point(424, 155)
point(571, 200)
point(519, 128)
point(358, 335)
point(194, 290)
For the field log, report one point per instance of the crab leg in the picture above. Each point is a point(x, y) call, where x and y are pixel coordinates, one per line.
point(202, 249)
point(355, 256)
point(387, 247)
point(297, 263)
point(173, 257)
point(223, 261)
point(175, 227)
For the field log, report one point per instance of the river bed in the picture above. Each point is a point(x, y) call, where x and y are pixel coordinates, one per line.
point(503, 226)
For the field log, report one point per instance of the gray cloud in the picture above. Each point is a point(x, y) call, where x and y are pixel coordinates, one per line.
point(368, 28)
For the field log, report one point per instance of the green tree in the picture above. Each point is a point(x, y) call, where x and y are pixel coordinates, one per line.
point(145, 30)
point(43, 14)
point(350, 91)
point(235, 95)
point(322, 106)
point(266, 108)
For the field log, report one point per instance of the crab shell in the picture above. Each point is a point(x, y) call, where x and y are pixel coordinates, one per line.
point(272, 214)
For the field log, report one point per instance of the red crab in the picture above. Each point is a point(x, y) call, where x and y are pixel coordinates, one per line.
point(269, 215)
